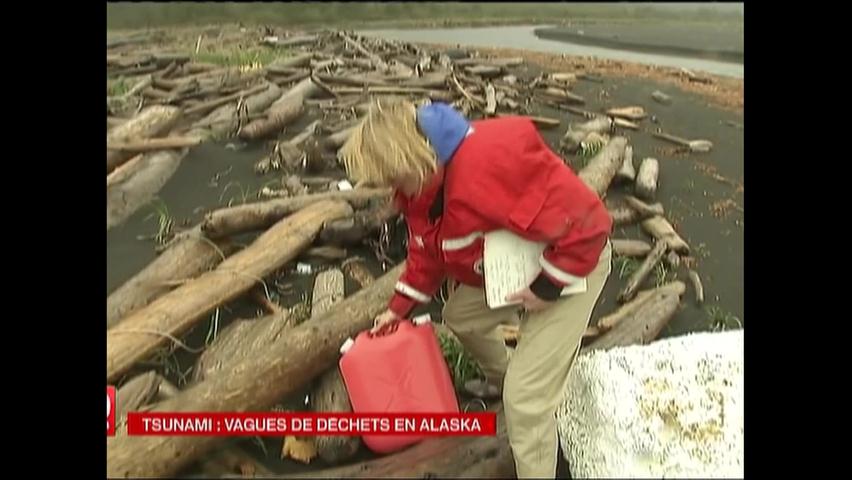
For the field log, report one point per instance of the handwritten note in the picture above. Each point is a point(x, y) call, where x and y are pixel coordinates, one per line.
point(510, 264)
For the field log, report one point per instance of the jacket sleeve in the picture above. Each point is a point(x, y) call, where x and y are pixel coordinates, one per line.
point(564, 212)
point(422, 277)
point(574, 254)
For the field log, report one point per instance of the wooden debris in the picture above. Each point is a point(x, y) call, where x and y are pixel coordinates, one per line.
point(135, 394)
point(495, 62)
point(288, 154)
point(152, 144)
point(255, 216)
point(640, 321)
point(300, 449)
point(186, 257)
point(254, 383)
point(336, 140)
point(577, 133)
point(623, 215)
point(351, 231)
point(286, 64)
point(139, 185)
point(697, 285)
point(643, 208)
point(178, 310)
point(661, 97)
point(326, 253)
point(697, 146)
point(485, 71)
point(490, 100)
point(629, 113)
point(630, 248)
point(295, 41)
point(205, 107)
point(328, 291)
point(646, 179)
point(227, 120)
point(266, 303)
point(282, 112)
point(151, 122)
point(627, 172)
point(661, 229)
point(620, 122)
point(673, 260)
point(376, 61)
point(562, 95)
point(601, 169)
point(635, 280)
point(357, 270)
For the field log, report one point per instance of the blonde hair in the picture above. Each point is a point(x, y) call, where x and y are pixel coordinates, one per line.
point(387, 145)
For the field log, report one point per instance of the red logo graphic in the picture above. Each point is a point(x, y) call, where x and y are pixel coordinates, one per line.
point(110, 411)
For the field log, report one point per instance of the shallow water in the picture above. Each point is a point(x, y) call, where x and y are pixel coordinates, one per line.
point(523, 37)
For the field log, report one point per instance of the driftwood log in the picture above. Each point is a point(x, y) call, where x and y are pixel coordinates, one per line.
point(635, 280)
point(642, 320)
point(601, 169)
point(330, 393)
point(646, 179)
point(140, 184)
point(630, 248)
point(577, 133)
point(327, 292)
point(627, 172)
point(255, 216)
point(186, 257)
point(351, 231)
point(135, 394)
point(355, 269)
point(175, 312)
point(227, 119)
point(255, 383)
point(210, 105)
point(151, 122)
point(642, 208)
point(153, 144)
point(283, 111)
point(697, 285)
point(287, 154)
point(659, 228)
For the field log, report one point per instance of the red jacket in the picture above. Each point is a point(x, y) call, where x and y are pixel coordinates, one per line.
point(502, 176)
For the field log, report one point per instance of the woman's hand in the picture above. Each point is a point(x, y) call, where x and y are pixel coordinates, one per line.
point(383, 319)
point(529, 300)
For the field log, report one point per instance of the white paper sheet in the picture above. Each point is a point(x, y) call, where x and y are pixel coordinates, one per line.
point(510, 264)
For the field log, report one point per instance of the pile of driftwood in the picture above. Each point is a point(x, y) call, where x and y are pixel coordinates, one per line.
point(254, 364)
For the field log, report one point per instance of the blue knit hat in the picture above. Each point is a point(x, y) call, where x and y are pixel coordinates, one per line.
point(444, 127)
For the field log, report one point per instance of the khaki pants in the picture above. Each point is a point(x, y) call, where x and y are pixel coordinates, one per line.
point(534, 380)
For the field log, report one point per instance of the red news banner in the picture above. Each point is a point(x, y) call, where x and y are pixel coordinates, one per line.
point(277, 424)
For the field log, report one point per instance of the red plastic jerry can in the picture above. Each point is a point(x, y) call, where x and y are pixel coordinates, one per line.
point(400, 371)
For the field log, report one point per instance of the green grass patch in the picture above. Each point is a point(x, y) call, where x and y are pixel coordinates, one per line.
point(626, 266)
point(721, 320)
point(118, 87)
point(462, 366)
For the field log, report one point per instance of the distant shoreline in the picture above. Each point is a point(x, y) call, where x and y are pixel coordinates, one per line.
point(660, 41)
